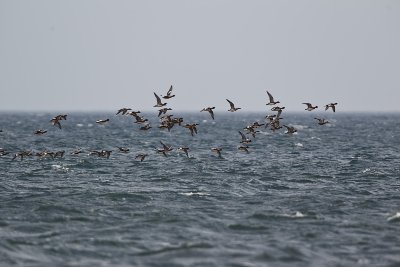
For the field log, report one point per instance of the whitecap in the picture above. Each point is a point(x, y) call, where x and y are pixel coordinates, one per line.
point(59, 167)
point(90, 125)
point(299, 144)
point(366, 170)
point(195, 194)
point(395, 217)
point(79, 125)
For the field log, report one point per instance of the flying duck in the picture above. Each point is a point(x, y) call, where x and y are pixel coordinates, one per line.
point(310, 107)
point(168, 96)
point(159, 103)
point(232, 109)
point(331, 105)
point(271, 100)
point(210, 110)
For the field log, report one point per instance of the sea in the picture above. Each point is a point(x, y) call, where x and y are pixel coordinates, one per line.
point(327, 195)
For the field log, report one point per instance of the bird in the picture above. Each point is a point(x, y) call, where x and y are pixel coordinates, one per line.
point(159, 103)
point(290, 129)
point(210, 110)
point(40, 132)
point(145, 127)
point(321, 121)
point(244, 148)
point(217, 150)
point(163, 111)
point(244, 138)
point(76, 151)
point(59, 154)
point(168, 96)
point(123, 149)
point(192, 128)
point(310, 107)
point(123, 111)
point(102, 121)
point(271, 100)
point(331, 105)
point(56, 121)
point(232, 109)
point(141, 156)
point(184, 149)
point(165, 149)
point(140, 120)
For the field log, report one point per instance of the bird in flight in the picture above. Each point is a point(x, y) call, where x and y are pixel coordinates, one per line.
point(233, 108)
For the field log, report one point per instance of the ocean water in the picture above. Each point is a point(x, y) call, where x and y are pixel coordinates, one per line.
point(326, 196)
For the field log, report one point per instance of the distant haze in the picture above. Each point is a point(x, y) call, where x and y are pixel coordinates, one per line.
point(104, 55)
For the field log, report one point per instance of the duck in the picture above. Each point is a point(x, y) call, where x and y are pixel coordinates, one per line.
point(321, 121)
point(145, 127)
point(233, 108)
point(184, 149)
point(310, 107)
point(40, 132)
point(217, 150)
point(123, 149)
point(271, 100)
point(159, 103)
point(102, 121)
point(163, 111)
point(244, 138)
point(192, 128)
point(168, 96)
point(141, 156)
point(290, 129)
point(244, 148)
point(331, 105)
point(210, 110)
point(123, 111)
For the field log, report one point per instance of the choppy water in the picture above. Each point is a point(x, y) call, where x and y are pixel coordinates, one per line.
point(327, 196)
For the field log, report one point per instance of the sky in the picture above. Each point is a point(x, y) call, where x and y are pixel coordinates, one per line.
point(98, 55)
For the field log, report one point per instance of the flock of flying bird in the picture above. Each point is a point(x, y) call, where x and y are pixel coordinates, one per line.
point(167, 121)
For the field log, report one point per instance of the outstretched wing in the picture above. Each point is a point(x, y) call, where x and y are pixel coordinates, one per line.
point(169, 91)
point(231, 104)
point(271, 99)
point(158, 99)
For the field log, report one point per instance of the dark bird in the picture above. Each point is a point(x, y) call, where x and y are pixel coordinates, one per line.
point(102, 121)
point(331, 105)
point(321, 121)
point(40, 132)
point(310, 107)
point(141, 156)
point(244, 148)
point(184, 149)
point(163, 111)
point(76, 151)
point(123, 111)
point(210, 110)
point(165, 149)
point(145, 127)
point(123, 149)
point(290, 129)
point(271, 100)
point(159, 104)
point(232, 109)
point(192, 128)
point(217, 150)
point(56, 121)
point(168, 96)
point(244, 138)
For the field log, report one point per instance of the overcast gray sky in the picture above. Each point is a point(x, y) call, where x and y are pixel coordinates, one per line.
point(103, 55)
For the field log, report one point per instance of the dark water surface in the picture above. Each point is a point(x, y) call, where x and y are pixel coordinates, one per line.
point(327, 196)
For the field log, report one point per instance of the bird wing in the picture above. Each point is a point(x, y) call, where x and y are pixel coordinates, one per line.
point(231, 104)
point(308, 104)
point(169, 91)
point(158, 98)
point(243, 136)
point(271, 99)
point(212, 113)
